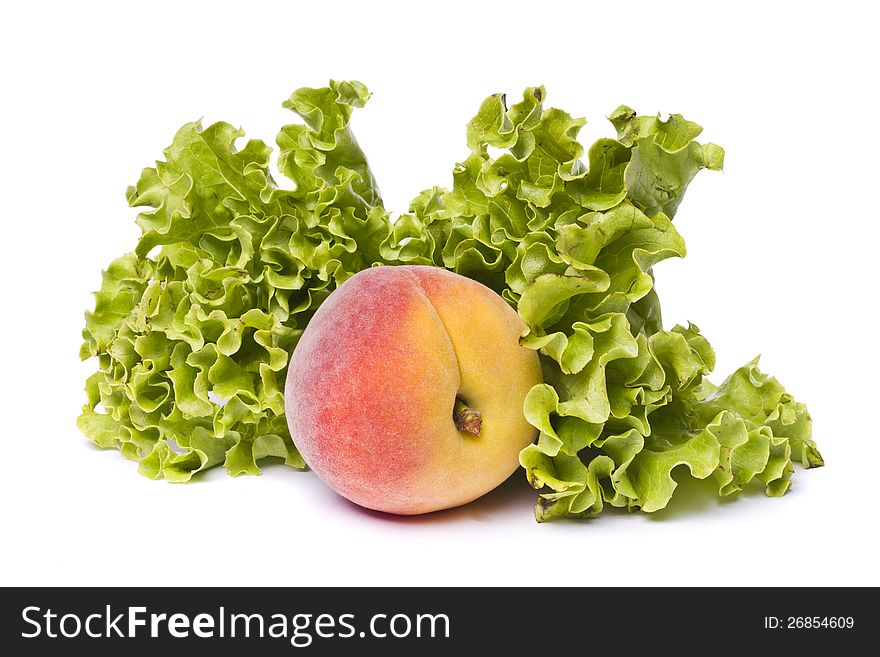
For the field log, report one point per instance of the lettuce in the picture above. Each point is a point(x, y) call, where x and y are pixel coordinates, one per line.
point(624, 402)
point(192, 343)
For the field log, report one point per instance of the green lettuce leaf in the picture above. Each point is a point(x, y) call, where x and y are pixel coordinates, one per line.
point(192, 343)
point(572, 246)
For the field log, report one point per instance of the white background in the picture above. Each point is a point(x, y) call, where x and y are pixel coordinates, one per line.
point(782, 261)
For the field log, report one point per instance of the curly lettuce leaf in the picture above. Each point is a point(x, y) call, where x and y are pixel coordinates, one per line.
point(193, 343)
point(624, 403)
point(665, 158)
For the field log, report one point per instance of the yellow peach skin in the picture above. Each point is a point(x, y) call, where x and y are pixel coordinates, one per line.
point(373, 383)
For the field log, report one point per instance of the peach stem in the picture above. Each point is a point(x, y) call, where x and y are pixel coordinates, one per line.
point(466, 418)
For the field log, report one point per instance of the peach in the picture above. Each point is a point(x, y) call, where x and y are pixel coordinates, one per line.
point(405, 392)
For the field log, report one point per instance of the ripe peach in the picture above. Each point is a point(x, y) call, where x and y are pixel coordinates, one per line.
point(405, 392)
